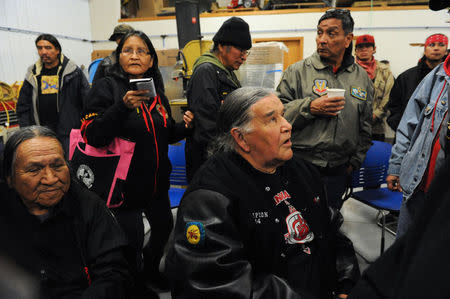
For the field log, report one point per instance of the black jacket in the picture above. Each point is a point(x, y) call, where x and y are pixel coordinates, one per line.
point(403, 88)
point(416, 265)
point(247, 248)
point(80, 232)
point(207, 88)
point(73, 89)
point(108, 117)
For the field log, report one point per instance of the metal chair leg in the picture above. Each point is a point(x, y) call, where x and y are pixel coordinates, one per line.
point(383, 228)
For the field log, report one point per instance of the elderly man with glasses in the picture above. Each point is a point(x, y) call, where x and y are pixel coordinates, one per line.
point(331, 132)
point(212, 80)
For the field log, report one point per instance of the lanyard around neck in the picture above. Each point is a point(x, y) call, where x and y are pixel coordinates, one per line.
point(147, 112)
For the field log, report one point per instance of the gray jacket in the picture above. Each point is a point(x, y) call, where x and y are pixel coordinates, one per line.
point(73, 89)
point(328, 141)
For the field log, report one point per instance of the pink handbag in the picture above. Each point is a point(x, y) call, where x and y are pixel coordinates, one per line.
point(103, 170)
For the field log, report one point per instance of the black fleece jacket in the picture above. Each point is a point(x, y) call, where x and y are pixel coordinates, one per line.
point(79, 232)
point(245, 250)
point(106, 117)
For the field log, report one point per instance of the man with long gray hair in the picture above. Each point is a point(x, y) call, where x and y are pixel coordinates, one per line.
point(255, 222)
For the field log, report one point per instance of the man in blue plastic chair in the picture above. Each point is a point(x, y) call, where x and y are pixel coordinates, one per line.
point(255, 222)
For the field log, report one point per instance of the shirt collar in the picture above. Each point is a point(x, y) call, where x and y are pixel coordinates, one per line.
point(347, 63)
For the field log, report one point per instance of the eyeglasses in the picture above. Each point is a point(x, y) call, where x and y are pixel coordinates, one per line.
point(243, 51)
point(138, 52)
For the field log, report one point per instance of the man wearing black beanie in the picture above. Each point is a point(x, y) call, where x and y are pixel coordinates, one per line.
point(213, 78)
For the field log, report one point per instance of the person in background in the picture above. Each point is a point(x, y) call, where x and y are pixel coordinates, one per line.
point(420, 144)
point(382, 78)
point(54, 229)
point(118, 33)
point(53, 92)
point(116, 110)
point(435, 52)
point(213, 78)
point(255, 222)
point(333, 133)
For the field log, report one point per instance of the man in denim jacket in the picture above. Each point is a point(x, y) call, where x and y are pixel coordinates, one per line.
point(419, 148)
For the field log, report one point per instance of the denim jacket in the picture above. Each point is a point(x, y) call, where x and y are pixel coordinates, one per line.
point(417, 130)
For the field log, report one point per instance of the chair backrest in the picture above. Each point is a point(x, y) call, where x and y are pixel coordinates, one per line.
point(177, 158)
point(373, 171)
point(93, 68)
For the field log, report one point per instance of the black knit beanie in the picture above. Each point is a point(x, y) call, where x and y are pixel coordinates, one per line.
point(234, 31)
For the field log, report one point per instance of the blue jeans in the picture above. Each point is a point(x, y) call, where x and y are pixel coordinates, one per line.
point(409, 212)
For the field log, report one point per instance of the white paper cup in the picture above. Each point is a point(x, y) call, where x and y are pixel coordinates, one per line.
point(336, 92)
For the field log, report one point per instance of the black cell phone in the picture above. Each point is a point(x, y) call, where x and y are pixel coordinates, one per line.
point(144, 83)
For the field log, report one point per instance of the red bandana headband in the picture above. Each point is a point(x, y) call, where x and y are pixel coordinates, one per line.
point(436, 38)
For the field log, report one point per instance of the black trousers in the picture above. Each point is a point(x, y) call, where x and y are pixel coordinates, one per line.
point(379, 137)
point(336, 181)
point(159, 214)
point(144, 262)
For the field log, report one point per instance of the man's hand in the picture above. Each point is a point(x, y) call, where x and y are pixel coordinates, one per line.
point(393, 183)
point(188, 117)
point(327, 106)
point(343, 296)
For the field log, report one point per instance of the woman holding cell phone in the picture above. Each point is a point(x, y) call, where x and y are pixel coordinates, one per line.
point(117, 107)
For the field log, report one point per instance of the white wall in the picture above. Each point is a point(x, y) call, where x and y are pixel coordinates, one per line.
point(104, 15)
point(21, 21)
point(95, 20)
point(394, 30)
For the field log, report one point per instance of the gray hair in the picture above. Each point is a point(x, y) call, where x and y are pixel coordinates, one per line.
point(340, 14)
point(235, 113)
point(16, 139)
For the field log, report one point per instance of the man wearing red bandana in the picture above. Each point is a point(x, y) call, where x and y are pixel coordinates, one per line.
point(382, 78)
point(434, 53)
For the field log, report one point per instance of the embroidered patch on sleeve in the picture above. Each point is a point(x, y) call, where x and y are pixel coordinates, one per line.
point(49, 84)
point(359, 93)
point(162, 111)
point(320, 87)
point(195, 233)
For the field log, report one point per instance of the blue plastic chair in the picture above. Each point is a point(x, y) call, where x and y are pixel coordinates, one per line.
point(370, 177)
point(93, 68)
point(178, 180)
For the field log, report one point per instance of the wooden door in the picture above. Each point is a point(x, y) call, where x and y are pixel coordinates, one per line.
point(294, 44)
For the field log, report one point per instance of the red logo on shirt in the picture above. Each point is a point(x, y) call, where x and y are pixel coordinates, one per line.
point(283, 195)
point(298, 229)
